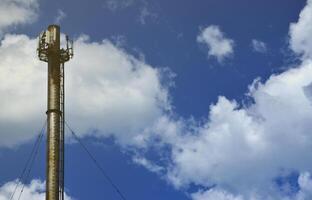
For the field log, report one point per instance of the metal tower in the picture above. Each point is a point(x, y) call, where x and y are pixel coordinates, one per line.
point(49, 51)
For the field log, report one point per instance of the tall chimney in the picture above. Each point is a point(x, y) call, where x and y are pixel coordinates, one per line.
point(50, 52)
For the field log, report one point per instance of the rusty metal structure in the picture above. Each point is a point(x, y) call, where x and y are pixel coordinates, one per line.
point(50, 51)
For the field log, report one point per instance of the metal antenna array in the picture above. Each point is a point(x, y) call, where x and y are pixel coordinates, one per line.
point(49, 51)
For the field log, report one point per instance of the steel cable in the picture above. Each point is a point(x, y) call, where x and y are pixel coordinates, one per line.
point(29, 162)
point(109, 180)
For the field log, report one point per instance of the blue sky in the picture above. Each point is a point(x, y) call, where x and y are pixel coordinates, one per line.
point(199, 100)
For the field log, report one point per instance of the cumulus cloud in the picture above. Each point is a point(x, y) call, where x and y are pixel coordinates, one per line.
point(300, 33)
point(241, 149)
point(35, 190)
point(108, 91)
point(121, 94)
point(264, 135)
point(215, 194)
point(218, 45)
point(304, 192)
point(17, 12)
point(22, 90)
point(258, 46)
point(305, 184)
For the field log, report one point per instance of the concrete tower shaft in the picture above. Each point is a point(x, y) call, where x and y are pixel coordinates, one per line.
point(49, 51)
point(53, 113)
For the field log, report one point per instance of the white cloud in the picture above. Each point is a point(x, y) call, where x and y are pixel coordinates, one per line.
point(17, 12)
point(304, 192)
point(259, 46)
point(218, 45)
point(118, 95)
point(22, 90)
point(60, 16)
point(147, 164)
point(235, 142)
point(305, 184)
point(34, 191)
point(242, 149)
point(215, 194)
point(108, 91)
point(300, 32)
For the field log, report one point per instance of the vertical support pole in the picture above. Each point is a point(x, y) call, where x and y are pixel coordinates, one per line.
point(53, 113)
point(62, 135)
point(49, 51)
